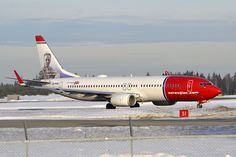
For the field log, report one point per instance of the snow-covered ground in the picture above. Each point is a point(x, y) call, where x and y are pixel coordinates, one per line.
point(218, 141)
point(56, 106)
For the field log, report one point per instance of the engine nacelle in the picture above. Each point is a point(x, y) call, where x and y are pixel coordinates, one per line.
point(123, 100)
point(164, 103)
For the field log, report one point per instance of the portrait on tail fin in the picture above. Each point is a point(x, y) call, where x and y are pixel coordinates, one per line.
point(47, 71)
point(50, 67)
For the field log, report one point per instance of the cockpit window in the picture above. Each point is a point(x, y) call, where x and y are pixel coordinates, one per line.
point(204, 84)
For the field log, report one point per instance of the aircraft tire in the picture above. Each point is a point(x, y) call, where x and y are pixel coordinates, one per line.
point(110, 106)
point(199, 106)
point(136, 105)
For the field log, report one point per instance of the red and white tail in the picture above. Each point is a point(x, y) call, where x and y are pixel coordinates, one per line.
point(50, 67)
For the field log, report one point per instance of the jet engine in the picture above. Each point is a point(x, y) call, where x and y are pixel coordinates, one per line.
point(164, 103)
point(123, 100)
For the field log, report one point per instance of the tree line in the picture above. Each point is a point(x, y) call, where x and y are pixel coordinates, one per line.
point(226, 83)
point(8, 89)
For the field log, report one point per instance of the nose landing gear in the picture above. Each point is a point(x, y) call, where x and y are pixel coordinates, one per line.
point(199, 105)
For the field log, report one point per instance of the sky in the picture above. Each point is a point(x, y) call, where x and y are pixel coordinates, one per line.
point(120, 37)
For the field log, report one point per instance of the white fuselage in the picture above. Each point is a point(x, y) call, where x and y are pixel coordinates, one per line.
point(149, 88)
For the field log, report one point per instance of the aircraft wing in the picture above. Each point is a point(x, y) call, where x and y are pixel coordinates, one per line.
point(87, 91)
point(105, 94)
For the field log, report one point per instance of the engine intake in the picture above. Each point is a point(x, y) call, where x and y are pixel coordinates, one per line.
point(123, 100)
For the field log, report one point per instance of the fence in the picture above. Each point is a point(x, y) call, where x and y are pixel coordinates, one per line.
point(105, 138)
point(184, 146)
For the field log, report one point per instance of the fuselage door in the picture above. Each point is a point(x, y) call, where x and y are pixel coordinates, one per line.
point(61, 84)
point(190, 86)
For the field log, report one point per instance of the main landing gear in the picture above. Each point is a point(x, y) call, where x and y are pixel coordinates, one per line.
point(110, 106)
point(136, 105)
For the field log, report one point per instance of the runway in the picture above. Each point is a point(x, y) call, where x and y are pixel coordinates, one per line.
point(43, 123)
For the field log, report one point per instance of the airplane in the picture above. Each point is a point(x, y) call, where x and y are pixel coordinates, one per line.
point(117, 91)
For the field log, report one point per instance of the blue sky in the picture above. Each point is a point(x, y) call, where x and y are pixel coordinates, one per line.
point(113, 23)
point(118, 20)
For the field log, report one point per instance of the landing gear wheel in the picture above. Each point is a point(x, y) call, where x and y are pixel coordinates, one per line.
point(110, 106)
point(199, 105)
point(136, 105)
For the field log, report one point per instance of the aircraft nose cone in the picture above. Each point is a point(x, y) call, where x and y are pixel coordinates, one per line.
point(217, 91)
point(213, 92)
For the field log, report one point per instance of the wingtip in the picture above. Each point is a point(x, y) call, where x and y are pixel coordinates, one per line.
point(19, 79)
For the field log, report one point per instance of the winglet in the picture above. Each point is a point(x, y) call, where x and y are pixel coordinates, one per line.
point(167, 73)
point(19, 79)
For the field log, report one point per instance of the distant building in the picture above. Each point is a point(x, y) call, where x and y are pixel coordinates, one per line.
point(13, 97)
